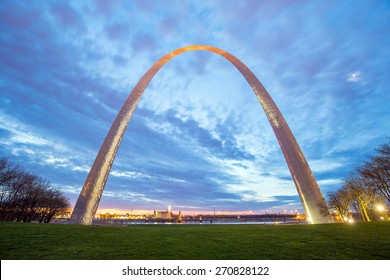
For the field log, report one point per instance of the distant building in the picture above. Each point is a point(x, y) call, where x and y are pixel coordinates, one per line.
point(108, 216)
point(166, 215)
point(179, 218)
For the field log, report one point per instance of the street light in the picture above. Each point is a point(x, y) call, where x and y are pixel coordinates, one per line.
point(382, 209)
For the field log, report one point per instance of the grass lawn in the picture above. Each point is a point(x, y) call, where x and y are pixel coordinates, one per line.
point(203, 242)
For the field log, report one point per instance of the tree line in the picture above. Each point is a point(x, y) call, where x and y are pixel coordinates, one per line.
point(366, 191)
point(25, 197)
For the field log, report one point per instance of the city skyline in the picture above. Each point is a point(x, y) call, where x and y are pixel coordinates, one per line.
point(67, 68)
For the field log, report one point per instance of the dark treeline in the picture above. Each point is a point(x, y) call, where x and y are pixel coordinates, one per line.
point(25, 197)
point(367, 190)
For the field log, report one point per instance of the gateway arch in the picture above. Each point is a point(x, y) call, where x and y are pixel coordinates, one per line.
point(311, 197)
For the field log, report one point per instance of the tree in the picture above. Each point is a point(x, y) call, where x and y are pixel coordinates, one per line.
point(377, 171)
point(367, 186)
point(7, 172)
point(27, 197)
point(341, 202)
point(362, 195)
point(54, 203)
point(14, 193)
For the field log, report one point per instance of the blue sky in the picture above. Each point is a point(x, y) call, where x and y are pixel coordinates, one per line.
point(199, 139)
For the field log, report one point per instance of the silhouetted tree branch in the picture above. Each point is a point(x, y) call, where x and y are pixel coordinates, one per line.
point(27, 197)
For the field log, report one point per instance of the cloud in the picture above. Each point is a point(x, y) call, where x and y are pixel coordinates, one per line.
point(116, 31)
point(130, 174)
point(18, 15)
point(143, 42)
point(105, 7)
point(66, 15)
point(19, 133)
point(25, 141)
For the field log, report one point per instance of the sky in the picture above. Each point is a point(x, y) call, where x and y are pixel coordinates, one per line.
point(199, 140)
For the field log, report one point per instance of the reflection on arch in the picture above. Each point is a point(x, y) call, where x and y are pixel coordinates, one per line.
point(308, 190)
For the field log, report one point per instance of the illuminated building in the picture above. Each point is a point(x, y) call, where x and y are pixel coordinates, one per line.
point(165, 215)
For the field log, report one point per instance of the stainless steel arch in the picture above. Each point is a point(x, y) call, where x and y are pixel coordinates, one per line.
point(308, 190)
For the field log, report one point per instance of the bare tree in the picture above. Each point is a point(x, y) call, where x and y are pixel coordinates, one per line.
point(362, 194)
point(27, 197)
point(368, 185)
point(7, 172)
point(56, 203)
point(16, 194)
point(377, 171)
point(341, 202)
point(8, 175)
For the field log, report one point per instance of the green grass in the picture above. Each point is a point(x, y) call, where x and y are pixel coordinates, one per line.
point(204, 242)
